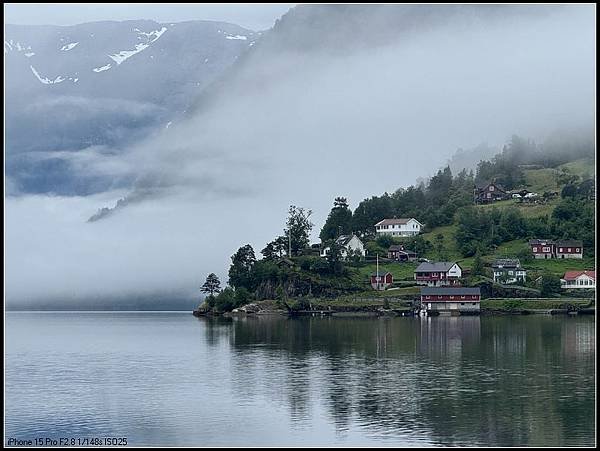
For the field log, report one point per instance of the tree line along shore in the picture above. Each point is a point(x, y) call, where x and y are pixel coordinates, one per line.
point(292, 275)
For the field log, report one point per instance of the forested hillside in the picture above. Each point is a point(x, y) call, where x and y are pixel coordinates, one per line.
point(560, 173)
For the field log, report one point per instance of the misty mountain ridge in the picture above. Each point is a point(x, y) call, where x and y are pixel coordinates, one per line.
point(102, 84)
point(333, 100)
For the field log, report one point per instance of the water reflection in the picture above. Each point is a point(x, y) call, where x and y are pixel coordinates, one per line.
point(503, 381)
point(172, 379)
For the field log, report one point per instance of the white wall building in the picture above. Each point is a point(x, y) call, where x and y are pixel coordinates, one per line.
point(507, 270)
point(579, 280)
point(348, 244)
point(398, 227)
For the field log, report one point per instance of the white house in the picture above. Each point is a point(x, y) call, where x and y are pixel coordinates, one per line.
point(398, 227)
point(507, 270)
point(347, 243)
point(578, 279)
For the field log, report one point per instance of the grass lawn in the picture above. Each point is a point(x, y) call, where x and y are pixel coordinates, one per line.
point(559, 266)
point(510, 248)
point(528, 210)
point(540, 180)
point(583, 167)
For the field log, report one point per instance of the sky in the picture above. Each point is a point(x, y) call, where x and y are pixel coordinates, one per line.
point(255, 17)
point(354, 124)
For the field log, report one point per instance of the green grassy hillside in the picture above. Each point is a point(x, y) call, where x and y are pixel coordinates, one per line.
point(536, 180)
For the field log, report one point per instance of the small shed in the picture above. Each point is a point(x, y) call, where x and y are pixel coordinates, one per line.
point(381, 281)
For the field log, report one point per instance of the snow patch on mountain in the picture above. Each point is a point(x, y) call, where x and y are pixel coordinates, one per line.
point(156, 33)
point(12, 45)
point(101, 69)
point(125, 54)
point(66, 48)
point(237, 36)
point(46, 80)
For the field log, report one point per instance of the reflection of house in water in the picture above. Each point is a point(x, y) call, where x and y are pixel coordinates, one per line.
point(578, 339)
point(448, 335)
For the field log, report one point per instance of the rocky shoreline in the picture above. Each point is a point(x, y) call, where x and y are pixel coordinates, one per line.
point(272, 307)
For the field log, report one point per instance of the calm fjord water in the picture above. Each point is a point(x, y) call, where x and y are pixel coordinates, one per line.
point(170, 378)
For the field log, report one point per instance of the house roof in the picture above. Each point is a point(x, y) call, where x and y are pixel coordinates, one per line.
point(440, 291)
point(569, 243)
point(435, 267)
point(343, 240)
point(400, 249)
point(506, 263)
point(483, 186)
point(381, 274)
point(572, 275)
point(394, 221)
point(541, 241)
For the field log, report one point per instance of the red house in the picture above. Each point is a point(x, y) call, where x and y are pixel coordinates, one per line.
point(569, 249)
point(489, 193)
point(438, 274)
point(381, 281)
point(449, 299)
point(543, 249)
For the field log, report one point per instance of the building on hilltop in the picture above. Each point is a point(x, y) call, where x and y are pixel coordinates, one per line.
point(349, 245)
point(398, 227)
point(490, 192)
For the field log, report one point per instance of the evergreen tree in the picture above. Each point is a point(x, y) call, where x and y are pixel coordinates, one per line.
point(211, 285)
point(339, 221)
point(240, 271)
point(276, 248)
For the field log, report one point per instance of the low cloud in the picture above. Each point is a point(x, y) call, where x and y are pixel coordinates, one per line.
point(356, 125)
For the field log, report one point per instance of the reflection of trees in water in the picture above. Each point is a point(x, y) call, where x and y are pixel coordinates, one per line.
point(216, 329)
point(452, 380)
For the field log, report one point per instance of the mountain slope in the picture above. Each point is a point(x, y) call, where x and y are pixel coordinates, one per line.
point(102, 84)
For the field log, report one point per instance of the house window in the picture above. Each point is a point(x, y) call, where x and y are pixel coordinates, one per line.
point(535, 249)
point(569, 249)
point(427, 297)
point(546, 249)
point(560, 249)
point(492, 188)
point(577, 249)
